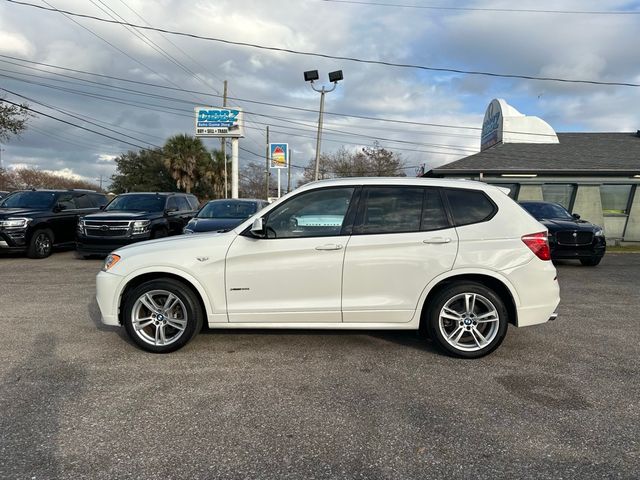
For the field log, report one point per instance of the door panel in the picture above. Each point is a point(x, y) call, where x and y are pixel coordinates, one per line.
point(284, 280)
point(385, 274)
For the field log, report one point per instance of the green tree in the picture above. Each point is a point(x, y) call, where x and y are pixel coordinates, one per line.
point(13, 119)
point(186, 158)
point(142, 171)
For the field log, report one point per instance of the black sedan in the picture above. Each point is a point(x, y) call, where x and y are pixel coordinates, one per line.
point(569, 236)
point(223, 215)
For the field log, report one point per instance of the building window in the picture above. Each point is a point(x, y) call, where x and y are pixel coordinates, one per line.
point(615, 199)
point(561, 193)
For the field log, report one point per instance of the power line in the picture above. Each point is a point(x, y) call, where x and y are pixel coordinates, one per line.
point(175, 111)
point(245, 100)
point(480, 9)
point(72, 124)
point(333, 57)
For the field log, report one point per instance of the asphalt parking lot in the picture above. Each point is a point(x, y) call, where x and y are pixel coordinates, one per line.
point(77, 400)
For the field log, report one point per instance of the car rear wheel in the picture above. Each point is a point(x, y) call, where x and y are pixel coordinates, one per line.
point(467, 320)
point(41, 244)
point(590, 262)
point(161, 316)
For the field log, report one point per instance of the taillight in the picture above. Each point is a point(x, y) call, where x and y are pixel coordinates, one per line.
point(539, 244)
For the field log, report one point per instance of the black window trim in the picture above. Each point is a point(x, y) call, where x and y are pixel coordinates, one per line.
point(355, 198)
point(447, 206)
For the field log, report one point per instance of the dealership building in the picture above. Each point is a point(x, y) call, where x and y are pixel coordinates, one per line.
point(593, 174)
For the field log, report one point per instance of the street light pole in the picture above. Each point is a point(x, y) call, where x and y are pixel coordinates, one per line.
point(310, 77)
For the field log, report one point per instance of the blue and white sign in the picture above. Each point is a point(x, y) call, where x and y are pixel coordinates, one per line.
point(492, 125)
point(219, 122)
point(279, 155)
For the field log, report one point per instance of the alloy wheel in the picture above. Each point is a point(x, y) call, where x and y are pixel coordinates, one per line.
point(159, 317)
point(469, 322)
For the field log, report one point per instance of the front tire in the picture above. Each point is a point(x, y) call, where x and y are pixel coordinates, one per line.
point(467, 320)
point(41, 244)
point(162, 315)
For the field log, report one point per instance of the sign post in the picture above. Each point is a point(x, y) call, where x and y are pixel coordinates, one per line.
point(279, 156)
point(216, 122)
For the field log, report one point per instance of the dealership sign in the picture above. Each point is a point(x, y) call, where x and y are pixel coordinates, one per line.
point(492, 125)
point(219, 122)
point(279, 155)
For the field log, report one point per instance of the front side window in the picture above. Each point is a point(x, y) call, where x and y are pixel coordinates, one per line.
point(391, 210)
point(318, 213)
point(469, 206)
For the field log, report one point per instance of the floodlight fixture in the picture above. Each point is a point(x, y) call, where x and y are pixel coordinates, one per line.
point(335, 77)
point(311, 76)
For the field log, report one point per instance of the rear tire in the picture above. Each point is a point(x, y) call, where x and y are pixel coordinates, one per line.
point(162, 315)
point(467, 320)
point(590, 262)
point(41, 244)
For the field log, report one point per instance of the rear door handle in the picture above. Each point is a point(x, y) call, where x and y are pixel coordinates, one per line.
point(329, 246)
point(437, 240)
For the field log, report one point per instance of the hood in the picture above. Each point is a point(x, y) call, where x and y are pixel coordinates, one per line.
point(21, 212)
point(121, 215)
point(213, 224)
point(556, 225)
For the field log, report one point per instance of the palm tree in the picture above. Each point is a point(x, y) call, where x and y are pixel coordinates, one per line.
point(182, 156)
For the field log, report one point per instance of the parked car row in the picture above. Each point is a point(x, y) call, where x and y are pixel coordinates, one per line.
point(37, 221)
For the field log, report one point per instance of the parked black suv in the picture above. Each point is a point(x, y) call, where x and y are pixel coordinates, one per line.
point(569, 237)
point(35, 221)
point(133, 217)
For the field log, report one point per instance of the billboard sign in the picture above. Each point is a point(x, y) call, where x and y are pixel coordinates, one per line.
point(492, 125)
point(219, 122)
point(279, 155)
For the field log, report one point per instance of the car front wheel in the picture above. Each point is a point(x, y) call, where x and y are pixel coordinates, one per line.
point(162, 315)
point(41, 244)
point(467, 320)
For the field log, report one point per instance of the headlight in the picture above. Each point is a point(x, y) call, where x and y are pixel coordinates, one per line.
point(141, 226)
point(110, 261)
point(599, 233)
point(15, 222)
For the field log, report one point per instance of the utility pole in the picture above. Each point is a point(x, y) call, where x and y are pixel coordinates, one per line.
point(1, 150)
point(223, 145)
point(289, 171)
point(266, 171)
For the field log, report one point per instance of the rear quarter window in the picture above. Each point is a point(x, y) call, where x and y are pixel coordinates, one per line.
point(469, 206)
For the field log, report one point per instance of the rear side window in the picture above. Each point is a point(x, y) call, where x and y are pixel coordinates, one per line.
point(469, 206)
point(83, 201)
point(183, 204)
point(172, 204)
point(391, 210)
point(99, 200)
point(434, 216)
point(193, 202)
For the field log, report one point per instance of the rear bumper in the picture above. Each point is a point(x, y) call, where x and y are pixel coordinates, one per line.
point(538, 292)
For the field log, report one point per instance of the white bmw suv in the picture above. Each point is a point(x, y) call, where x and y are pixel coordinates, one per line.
point(457, 260)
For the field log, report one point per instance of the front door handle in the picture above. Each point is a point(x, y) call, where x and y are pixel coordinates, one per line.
point(437, 240)
point(329, 246)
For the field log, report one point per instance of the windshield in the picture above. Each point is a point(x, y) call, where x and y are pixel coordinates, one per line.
point(547, 210)
point(29, 200)
point(137, 203)
point(227, 209)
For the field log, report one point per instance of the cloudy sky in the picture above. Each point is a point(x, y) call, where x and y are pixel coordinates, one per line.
point(176, 73)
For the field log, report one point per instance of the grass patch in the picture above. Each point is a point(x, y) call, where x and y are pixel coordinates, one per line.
point(625, 249)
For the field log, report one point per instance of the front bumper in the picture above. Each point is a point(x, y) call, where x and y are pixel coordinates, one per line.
point(108, 297)
point(567, 252)
point(105, 245)
point(13, 240)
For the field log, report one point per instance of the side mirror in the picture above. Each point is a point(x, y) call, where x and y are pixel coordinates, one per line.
point(576, 216)
point(257, 229)
point(170, 210)
point(102, 207)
